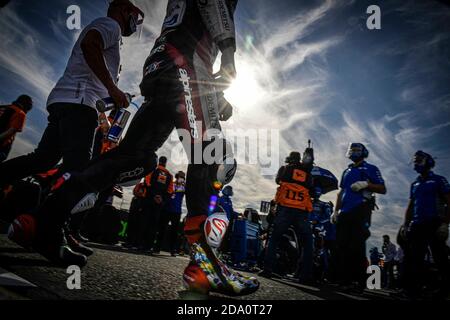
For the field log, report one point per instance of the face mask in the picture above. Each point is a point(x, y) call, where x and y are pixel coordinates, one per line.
point(135, 20)
point(227, 192)
point(356, 152)
point(130, 27)
point(355, 157)
point(420, 165)
point(419, 168)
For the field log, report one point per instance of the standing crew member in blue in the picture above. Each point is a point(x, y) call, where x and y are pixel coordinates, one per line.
point(426, 226)
point(354, 206)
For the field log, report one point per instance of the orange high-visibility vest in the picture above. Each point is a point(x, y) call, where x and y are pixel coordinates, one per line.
point(293, 191)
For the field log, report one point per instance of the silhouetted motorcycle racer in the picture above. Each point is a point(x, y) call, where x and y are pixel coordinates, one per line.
point(180, 92)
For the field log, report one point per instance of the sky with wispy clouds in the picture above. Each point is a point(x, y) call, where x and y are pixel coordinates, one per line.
point(312, 70)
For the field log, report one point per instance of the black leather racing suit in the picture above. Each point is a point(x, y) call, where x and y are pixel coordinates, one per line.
point(178, 87)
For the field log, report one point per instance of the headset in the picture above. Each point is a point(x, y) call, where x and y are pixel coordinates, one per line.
point(429, 161)
point(364, 153)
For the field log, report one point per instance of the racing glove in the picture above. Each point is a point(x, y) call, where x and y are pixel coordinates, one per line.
point(442, 232)
point(359, 185)
point(227, 71)
point(225, 108)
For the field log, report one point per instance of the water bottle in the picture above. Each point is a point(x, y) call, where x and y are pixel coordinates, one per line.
point(118, 125)
point(107, 104)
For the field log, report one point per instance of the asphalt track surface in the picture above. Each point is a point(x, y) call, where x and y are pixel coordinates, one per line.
point(114, 273)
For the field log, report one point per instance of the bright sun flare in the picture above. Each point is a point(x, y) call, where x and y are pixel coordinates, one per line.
point(245, 90)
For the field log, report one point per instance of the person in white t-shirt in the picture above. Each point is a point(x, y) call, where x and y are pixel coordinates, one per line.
point(91, 74)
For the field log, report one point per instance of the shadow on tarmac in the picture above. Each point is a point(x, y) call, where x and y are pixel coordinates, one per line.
point(126, 250)
point(189, 295)
point(13, 250)
point(22, 261)
point(328, 292)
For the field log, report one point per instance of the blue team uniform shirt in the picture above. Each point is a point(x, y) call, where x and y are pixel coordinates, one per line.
point(365, 171)
point(427, 195)
point(176, 201)
point(321, 213)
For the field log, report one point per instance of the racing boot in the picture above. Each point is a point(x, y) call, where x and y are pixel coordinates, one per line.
point(75, 225)
point(24, 231)
point(205, 272)
point(195, 279)
point(77, 246)
point(77, 235)
point(62, 255)
point(69, 197)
